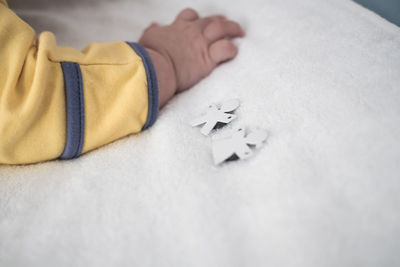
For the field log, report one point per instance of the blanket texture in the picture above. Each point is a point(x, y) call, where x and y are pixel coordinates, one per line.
point(323, 77)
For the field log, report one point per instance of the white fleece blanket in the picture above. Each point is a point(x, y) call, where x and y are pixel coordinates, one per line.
point(323, 77)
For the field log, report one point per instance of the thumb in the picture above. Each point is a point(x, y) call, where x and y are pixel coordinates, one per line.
point(152, 25)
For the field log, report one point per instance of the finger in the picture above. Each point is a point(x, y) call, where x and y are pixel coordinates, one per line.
point(220, 29)
point(188, 14)
point(222, 50)
point(207, 20)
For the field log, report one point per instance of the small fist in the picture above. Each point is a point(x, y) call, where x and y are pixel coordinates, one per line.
point(191, 46)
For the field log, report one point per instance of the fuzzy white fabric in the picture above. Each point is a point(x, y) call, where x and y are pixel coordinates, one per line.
point(323, 77)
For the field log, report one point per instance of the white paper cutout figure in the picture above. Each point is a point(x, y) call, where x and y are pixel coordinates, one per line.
point(235, 144)
point(216, 114)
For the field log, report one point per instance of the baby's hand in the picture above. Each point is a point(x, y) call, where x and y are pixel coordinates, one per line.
point(189, 49)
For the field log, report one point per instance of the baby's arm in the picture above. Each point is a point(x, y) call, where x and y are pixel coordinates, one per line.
point(60, 102)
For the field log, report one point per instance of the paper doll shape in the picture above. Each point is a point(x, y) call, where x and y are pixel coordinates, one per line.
point(215, 115)
point(235, 144)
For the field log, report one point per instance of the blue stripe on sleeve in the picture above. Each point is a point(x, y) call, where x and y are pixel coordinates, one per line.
point(151, 84)
point(75, 110)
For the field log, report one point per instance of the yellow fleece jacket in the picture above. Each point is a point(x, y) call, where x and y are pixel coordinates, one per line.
point(58, 102)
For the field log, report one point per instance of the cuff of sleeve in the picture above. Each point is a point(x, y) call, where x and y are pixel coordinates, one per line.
point(152, 84)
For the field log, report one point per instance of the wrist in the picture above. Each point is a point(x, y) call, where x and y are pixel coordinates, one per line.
point(166, 77)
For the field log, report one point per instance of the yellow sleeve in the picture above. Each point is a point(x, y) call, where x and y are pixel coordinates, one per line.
point(58, 102)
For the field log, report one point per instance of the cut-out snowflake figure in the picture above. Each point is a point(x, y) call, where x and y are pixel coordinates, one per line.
point(235, 144)
point(216, 115)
